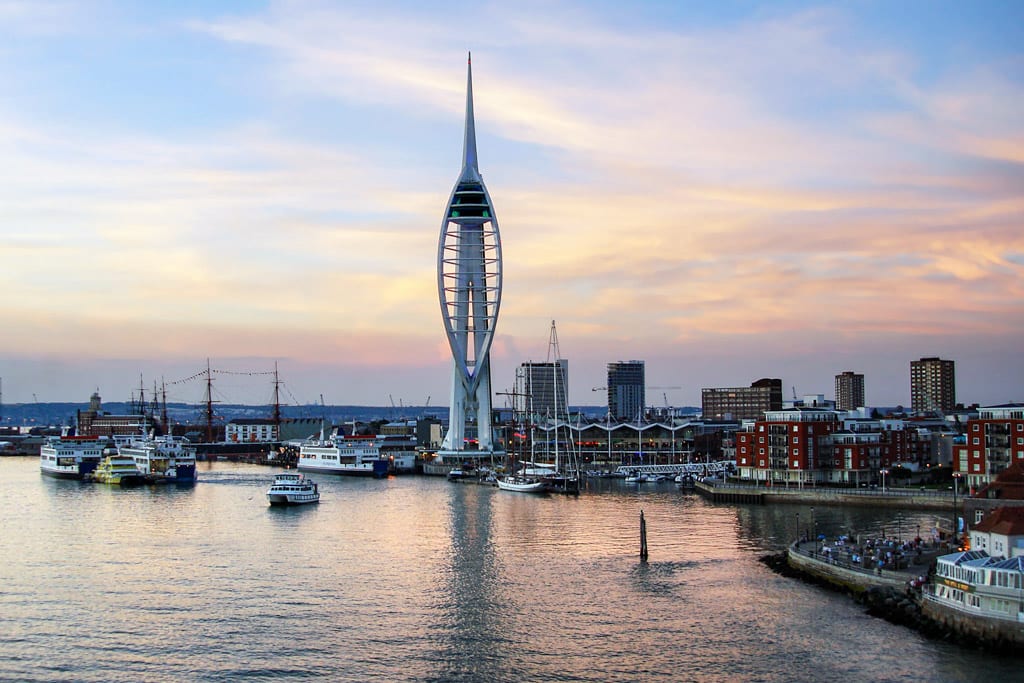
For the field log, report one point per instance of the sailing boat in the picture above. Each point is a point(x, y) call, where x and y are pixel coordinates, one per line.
point(522, 481)
point(564, 479)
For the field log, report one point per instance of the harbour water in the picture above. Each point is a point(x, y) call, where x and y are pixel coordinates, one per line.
point(418, 579)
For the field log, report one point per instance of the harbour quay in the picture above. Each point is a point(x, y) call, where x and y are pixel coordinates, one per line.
point(952, 596)
point(738, 492)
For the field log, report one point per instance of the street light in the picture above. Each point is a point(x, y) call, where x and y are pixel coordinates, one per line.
point(883, 473)
point(956, 520)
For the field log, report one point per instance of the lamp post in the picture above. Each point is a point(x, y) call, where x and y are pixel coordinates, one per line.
point(798, 530)
point(883, 473)
point(956, 520)
point(814, 527)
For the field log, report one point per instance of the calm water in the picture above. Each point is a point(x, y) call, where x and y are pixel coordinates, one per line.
point(418, 579)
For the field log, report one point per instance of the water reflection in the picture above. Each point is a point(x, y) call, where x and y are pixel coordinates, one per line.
point(472, 604)
point(417, 579)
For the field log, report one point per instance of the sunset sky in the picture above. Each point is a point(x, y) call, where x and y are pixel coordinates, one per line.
point(726, 190)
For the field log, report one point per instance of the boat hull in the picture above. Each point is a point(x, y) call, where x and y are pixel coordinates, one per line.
point(377, 468)
point(281, 499)
point(522, 486)
point(78, 474)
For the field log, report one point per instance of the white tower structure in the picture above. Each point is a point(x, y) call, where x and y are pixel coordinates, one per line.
point(469, 289)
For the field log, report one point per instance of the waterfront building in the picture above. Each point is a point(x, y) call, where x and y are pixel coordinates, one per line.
point(1000, 533)
point(787, 446)
point(983, 586)
point(849, 390)
point(96, 422)
point(742, 403)
point(993, 442)
point(469, 280)
point(626, 389)
point(541, 390)
point(245, 430)
point(932, 385)
point(1005, 491)
point(299, 428)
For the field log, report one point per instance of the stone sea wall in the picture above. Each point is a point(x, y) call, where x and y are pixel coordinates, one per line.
point(892, 601)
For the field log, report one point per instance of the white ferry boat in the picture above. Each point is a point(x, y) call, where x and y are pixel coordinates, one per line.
point(71, 457)
point(353, 455)
point(293, 489)
point(163, 459)
point(399, 451)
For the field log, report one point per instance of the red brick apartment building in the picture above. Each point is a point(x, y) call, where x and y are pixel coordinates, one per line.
point(993, 442)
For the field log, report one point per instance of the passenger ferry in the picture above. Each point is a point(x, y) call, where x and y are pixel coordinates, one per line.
point(71, 457)
point(353, 455)
point(117, 470)
point(293, 489)
point(399, 451)
point(163, 459)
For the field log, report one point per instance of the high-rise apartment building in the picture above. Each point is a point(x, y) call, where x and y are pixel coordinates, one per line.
point(932, 385)
point(742, 403)
point(626, 389)
point(541, 389)
point(849, 390)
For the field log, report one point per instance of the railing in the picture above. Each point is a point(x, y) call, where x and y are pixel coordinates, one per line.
point(835, 560)
point(973, 611)
point(781, 488)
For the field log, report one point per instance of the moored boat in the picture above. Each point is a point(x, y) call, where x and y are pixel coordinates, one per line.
point(293, 489)
point(163, 459)
point(521, 484)
point(71, 457)
point(117, 470)
point(345, 455)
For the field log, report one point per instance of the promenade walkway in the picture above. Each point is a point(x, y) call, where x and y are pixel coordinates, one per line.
point(930, 499)
point(872, 562)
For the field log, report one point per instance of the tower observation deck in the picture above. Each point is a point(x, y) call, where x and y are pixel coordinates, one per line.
point(469, 289)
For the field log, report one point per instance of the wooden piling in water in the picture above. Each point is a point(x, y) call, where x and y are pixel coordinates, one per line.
point(643, 537)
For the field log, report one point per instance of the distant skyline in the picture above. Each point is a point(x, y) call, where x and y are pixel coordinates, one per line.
point(727, 191)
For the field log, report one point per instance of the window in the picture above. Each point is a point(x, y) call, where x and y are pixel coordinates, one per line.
point(796, 439)
point(975, 427)
point(975, 441)
point(796, 428)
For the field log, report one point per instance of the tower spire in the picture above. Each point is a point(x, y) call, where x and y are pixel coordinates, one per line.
point(469, 165)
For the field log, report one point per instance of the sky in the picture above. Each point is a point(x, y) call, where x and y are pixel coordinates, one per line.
point(725, 190)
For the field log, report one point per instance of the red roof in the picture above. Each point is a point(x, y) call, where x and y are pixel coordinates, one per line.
point(1005, 521)
point(1008, 485)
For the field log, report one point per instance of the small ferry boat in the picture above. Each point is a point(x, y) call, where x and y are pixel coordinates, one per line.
point(117, 470)
point(163, 459)
point(353, 455)
point(71, 457)
point(293, 489)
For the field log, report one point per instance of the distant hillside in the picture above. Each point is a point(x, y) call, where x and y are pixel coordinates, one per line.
point(18, 414)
